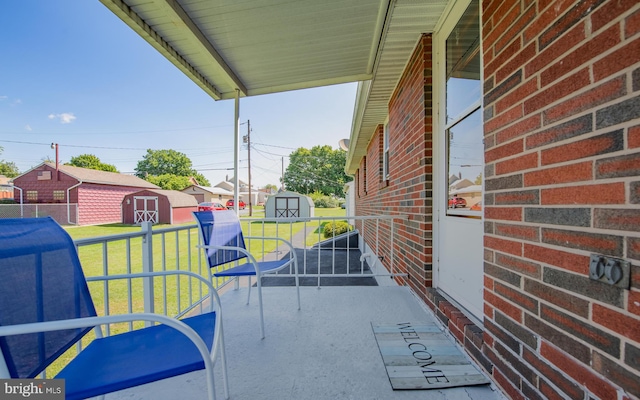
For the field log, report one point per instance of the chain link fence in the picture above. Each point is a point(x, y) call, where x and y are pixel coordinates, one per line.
point(64, 214)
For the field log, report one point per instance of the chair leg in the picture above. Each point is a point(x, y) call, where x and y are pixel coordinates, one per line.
point(249, 289)
point(297, 283)
point(258, 279)
point(223, 361)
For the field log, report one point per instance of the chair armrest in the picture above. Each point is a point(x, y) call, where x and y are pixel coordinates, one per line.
point(86, 322)
point(213, 294)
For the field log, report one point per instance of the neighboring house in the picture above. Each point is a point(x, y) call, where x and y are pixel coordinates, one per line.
point(98, 194)
point(6, 190)
point(541, 98)
point(258, 197)
point(208, 193)
point(158, 206)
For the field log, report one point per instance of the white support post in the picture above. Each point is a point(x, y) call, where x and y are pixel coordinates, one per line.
point(147, 266)
point(236, 151)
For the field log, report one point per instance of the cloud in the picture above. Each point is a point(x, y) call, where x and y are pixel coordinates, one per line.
point(64, 118)
point(3, 97)
point(28, 127)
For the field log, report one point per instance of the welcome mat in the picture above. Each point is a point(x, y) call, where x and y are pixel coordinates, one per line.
point(422, 357)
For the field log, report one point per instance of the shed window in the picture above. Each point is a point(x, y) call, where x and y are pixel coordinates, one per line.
point(32, 195)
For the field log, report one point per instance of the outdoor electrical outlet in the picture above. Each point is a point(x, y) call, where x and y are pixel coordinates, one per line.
point(613, 271)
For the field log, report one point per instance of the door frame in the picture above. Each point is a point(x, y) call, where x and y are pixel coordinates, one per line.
point(450, 18)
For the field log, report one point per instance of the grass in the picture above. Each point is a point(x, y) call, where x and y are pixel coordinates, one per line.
point(176, 250)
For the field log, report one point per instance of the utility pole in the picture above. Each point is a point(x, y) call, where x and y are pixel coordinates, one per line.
point(247, 140)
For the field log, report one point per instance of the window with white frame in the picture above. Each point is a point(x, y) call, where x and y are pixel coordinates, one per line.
point(385, 153)
point(32, 195)
point(58, 195)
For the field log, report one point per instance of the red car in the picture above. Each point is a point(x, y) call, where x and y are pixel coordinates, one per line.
point(211, 206)
point(241, 204)
point(456, 202)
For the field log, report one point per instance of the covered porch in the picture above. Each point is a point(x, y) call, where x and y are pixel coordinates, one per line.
point(326, 350)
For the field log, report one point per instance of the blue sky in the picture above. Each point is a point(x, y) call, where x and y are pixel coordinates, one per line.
point(74, 74)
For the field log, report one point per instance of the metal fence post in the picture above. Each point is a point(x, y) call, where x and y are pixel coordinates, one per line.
point(147, 266)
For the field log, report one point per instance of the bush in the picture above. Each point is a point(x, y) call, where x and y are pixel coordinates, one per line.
point(322, 201)
point(332, 229)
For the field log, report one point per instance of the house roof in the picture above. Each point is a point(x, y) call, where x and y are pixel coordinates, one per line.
point(212, 190)
point(175, 197)
point(100, 177)
point(264, 46)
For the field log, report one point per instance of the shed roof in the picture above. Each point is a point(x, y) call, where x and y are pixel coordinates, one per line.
point(176, 198)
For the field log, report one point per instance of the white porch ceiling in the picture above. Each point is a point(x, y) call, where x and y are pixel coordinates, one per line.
point(269, 46)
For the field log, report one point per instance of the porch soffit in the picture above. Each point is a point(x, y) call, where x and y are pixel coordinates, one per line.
point(270, 46)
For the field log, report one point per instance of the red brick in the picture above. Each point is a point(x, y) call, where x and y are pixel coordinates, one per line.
point(503, 245)
point(597, 145)
point(566, 130)
point(503, 213)
point(515, 25)
point(507, 386)
point(527, 161)
point(579, 372)
point(507, 308)
point(634, 302)
point(556, 50)
point(581, 240)
point(547, 15)
point(520, 128)
point(616, 373)
point(558, 90)
point(488, 312)
point(580, 56)
point(625, 325)
point(633, 136)
point(553, 375)
point(601, 94)
point(519, 197)
point(562, 259)
point(530, 233)
point(608, 193)
point(488, 282)
point(516, 296)
point(504, 118)
point(609, 11)
point(519, 266)
point(620, 59)
point(632, 23)
point(505, 53)
point(557, 297)
point(568, 173)
point(626, 165)
point(509, 67)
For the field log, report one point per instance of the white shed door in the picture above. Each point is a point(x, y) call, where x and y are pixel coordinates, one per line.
point(145, 209)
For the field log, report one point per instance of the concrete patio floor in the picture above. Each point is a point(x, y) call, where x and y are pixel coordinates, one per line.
point(325, 351)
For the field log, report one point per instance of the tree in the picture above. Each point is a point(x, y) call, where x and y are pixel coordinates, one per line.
point(92, 162)
point(168, 167)
point(8, 168)
point(320, 169)
point(170, 181)
point(270, 187)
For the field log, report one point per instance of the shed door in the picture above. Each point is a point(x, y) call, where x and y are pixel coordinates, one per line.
point(145, 209)
point(287, 207)
point(461, 159)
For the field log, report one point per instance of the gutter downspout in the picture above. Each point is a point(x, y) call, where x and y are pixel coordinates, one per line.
point(69, 205)
point(21, 202)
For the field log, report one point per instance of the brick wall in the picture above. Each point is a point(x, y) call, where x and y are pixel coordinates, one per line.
point(562, 137)
point(409, 189)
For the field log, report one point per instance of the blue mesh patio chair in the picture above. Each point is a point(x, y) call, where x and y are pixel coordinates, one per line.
point(223, 243)
point(46, 308)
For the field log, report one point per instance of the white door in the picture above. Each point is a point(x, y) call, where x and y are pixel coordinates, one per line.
point(460, 163)
point(145, 208)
